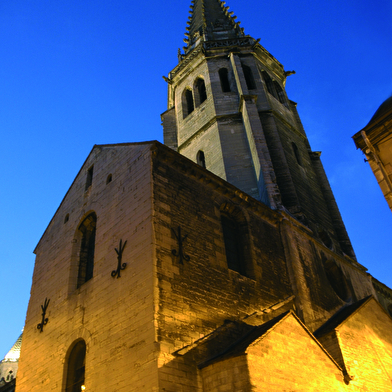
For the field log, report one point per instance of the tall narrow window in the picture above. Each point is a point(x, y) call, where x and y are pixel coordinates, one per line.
point(268, 83)
point(224, 80)
point(187, 102)
point(250, 82)
point(280, 93)
point(89, 179)
point(200, 88)
point(86, 259)
point(233, 245)
point(296, 153)
point(76, 367)
point(201, 160)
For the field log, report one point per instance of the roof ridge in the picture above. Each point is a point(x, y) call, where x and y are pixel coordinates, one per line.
point(341, 316)
point(260, 330)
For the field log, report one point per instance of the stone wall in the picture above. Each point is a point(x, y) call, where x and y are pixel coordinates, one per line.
point(289, 358)
point(366, 344)
point(199, 294)
point(113, 315)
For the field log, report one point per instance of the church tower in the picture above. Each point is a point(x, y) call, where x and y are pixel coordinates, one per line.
point(228, 111)
point(216, 262)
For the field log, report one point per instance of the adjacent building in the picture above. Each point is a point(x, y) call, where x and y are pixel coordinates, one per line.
point(375, 141)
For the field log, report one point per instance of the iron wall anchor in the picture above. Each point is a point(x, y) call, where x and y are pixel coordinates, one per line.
point(44, 321)
point(120, 267)
point(180, 241)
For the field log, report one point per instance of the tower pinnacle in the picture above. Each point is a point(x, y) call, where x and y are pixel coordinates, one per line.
point(210, 20)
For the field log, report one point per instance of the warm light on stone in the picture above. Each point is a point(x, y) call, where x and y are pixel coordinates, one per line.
point(240, 275)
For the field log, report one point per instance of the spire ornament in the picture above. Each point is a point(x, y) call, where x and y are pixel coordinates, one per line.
point(210, 20)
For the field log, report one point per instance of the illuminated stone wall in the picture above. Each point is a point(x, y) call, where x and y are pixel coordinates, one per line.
point(366, 346)
point(113, 315)
point(168, 322)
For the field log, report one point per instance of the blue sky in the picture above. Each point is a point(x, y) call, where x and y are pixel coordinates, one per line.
point(78, 73)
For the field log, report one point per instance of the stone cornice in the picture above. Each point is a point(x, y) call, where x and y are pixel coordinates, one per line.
point(204, 46)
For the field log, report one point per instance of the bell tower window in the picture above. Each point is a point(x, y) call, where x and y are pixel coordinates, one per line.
point(187, 102)
point(201, 92)
point(250, 82)
point(224, 80)
point(201, 160)
point(280, 93)
point(268, 82)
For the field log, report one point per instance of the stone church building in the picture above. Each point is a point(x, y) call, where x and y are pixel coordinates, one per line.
point(216, 262)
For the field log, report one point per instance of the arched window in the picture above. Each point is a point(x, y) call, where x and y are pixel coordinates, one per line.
point(250, 82)
point(201, 159)
point(224, 80)
point(201, 92)
point(296, 153)
point(76, 367)
point(187, 102)
point(86, 258)
point(268, 82)
point(280, 93)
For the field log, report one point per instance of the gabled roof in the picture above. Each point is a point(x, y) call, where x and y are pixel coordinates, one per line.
point(240, 346)
point(340, 317)
point(151, 142)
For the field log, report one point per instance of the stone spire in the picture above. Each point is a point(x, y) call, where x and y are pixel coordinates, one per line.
point(9, 365)
point(210, 20)
point(14, 354)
